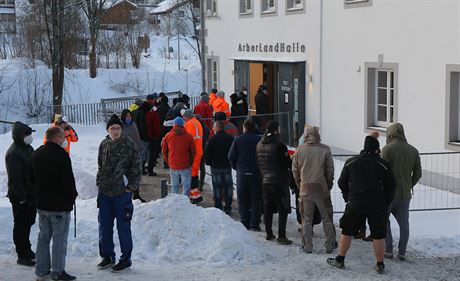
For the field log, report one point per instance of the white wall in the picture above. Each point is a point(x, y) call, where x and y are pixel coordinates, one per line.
point(420, 36)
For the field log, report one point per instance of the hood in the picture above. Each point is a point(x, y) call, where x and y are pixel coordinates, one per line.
point(312, 135)
point(179, 130)
point(269, 138)
point(124, 113)
point(395, 132)
point(19, 131)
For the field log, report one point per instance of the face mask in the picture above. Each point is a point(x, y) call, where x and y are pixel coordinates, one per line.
point(64, 143)
point(28, 140)
point(129, 121)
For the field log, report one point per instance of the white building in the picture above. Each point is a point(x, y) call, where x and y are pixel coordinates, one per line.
point(347, 66)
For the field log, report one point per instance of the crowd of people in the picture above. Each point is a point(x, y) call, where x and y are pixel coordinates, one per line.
point(374, 184)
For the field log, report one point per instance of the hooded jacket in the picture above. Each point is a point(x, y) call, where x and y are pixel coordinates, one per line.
point(178, 148)
point(404, 161)
point(274, 161)
point(130, 130)
point(118, 159)
point(313, 166)
point(18, 164)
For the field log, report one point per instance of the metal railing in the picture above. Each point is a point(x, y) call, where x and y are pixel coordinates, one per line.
point(438, 189)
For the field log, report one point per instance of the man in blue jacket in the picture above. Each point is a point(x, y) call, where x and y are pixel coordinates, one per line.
point(243, 157)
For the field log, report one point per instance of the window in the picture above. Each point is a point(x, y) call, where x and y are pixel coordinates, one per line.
point(7, 2)
point(294, 4)
point(213, 74)
point(357, 3)
point(245, 7)
point(211, 8)
point(453, 104)
point(381, 94)
point(384, 110)
point(268, 6)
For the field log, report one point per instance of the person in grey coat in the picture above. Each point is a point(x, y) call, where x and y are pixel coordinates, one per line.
point(129, 128)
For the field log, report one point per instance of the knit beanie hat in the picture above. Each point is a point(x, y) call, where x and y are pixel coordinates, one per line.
point(371, 144)
point(114, 120)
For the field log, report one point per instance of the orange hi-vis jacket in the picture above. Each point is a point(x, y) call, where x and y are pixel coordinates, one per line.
point(220, 105)
point(212, 99)
point(70, 135)
point(193, 127)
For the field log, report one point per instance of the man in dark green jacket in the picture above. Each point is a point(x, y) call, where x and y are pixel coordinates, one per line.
point(404, 161)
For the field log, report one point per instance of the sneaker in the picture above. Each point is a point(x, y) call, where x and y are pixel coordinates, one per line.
point(380, 268)
point(388, 255)
point(106, 263)
point(256, 228)
point(25, 262)
point(64, 277)
point(284, 241)
point(270, 237)
point(334, 262)
point(122, 265)
point(401, 257)
point(368, 238)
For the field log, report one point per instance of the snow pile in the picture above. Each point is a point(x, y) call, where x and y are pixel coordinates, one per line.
point(167, 231)
point(174, 231)
point(441, 246)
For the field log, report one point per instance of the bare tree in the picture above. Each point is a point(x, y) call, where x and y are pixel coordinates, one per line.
point(136, 31)
point(94, 11)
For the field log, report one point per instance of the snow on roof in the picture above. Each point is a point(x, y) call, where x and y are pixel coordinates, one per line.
point(111, 3)
point(166, 6)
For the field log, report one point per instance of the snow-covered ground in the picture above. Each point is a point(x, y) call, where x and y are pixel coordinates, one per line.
point(176, 240)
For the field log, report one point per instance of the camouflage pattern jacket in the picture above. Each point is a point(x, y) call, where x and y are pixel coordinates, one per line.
point(116, 160)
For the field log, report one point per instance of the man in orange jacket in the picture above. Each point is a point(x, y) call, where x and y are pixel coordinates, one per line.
point(194, 128)
point(212, 97)
point(70, 134)
point(220, 105)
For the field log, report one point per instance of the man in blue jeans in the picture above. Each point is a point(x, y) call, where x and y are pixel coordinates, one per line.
point(404, 161)
point(243, 157)
point(178, 150)
point(118, 176)
point(56, 192)
point(221, 169)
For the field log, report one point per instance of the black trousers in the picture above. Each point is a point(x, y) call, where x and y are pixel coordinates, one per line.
point(154, 151)
point(24, 217)
point(276, 198)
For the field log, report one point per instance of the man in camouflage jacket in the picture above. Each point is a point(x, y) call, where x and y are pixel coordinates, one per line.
point(118, 176)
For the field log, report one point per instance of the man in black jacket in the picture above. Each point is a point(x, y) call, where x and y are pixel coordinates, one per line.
point(367, 185)
point(140, 118)
point(21, 191)
point(56, 194)
point(274, 163)
point(221, 170)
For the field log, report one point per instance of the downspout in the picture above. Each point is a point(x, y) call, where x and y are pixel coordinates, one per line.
point(320, 64)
